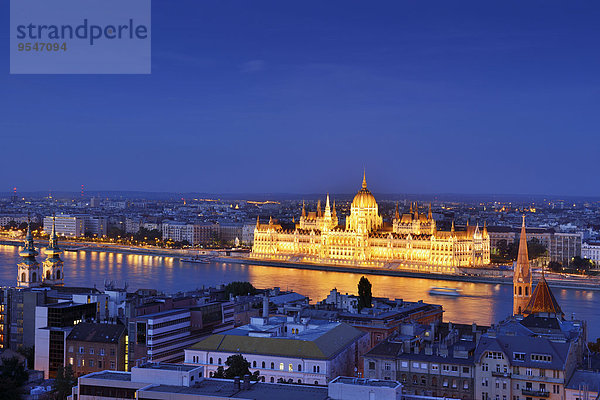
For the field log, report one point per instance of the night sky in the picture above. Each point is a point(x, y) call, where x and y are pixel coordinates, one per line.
point(300, 96)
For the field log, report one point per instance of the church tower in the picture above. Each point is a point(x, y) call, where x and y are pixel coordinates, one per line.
point(522, 278)
point(29, 269)
point(53, 265)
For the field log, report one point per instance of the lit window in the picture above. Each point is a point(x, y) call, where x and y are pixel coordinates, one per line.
point(290, 368)
point(281, 366)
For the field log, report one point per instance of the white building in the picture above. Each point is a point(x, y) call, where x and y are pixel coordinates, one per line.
point(285, 349)
point(19, 219)
point(248, 234)
point(66, 225)
point(592, 251)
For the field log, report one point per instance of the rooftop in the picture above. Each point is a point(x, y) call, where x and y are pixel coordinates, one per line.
point(97, 332)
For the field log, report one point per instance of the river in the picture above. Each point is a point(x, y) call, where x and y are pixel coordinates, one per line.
point(481, 303)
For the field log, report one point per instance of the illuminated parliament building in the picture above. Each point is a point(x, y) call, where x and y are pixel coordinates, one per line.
point(411, 241)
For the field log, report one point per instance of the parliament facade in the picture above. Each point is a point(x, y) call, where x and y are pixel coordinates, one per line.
point(411, 241)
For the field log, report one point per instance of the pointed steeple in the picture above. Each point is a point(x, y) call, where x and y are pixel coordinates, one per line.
point(430, 214)
point(411, 207)
point(29, 247)
point(452, 229)
point(270, 220)
point(522, 277)
point(523, 256)
point(364, 182)
point(257, 221)
point(303, 210)
point(416, 210)
point(319, 208)
point(28, 268)
point(397, 215)
point(327, 208)
point(485, 232)
point(334, 213)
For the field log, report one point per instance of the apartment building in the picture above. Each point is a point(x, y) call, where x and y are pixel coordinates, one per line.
point(93, 347)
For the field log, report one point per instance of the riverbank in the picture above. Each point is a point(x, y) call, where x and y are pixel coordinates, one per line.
point(553, 280)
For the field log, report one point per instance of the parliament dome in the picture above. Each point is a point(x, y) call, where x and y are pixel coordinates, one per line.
point(364, 198)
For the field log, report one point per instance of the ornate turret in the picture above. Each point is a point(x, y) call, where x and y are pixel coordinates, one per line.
point(429, 214)
point(303, 210)
point(522, 278)
point(257, 221)
point(397, 215)
point(28, 269)
point(53, 265)
point(319, 214)
point(416, 210)
point(327, 215)
point(485, 232)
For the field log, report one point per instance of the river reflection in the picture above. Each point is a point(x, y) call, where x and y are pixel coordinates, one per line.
point(480, 303)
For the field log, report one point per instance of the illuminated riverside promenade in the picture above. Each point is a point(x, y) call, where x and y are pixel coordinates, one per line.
point(482, 303)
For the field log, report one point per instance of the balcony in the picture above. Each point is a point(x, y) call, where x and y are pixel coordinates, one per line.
point(536, 393)
point(499, 374)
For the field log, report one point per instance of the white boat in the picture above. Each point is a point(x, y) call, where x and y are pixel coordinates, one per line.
point(200, 260)
point(444, 291)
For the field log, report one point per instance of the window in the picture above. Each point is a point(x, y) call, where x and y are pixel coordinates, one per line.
point(290, 368)
point(99, 363)
point(404, 364)
point(102, 351)
point(445, 383)
point(445, 368)
point(281, 366)
point(82, 362)
point(299, 380)
point(454, 368)
point(415, 365)
point(70, 349)
point(454, 385)
point(112, 351)
point(253, 364)
point(91, 363)
point(299, 367)
point(81, 350)
point(529, 372)
point(424, 366)
point(220, 361)
point(465, 370)
point(272, 365)
point(263, 364)
point(519, 356)
point(71, 360)
point(466, 385)
point(423, 380)
point(273, 380)
point(316, 382)
point(388, 366)
point(112, 365)
point(91, 350)
point(210, 360)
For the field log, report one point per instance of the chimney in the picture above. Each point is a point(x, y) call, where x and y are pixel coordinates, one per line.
point(246, 382)
point(265, 310)
point(236, 383)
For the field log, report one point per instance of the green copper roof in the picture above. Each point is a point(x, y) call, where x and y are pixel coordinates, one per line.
point(324, 347)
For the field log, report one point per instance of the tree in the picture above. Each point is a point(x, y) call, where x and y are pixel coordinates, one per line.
point(239, 289)
point(595, 347)
point(535, 249)
point(365, 298)
point(12, 376)
point(555, 266)
point(64, 382)
point(582, 264)
point(237, 366)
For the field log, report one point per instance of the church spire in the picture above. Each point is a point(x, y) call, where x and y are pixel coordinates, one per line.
point(452, 229)
point(522, 278)
point(333, 213)
point(411, 207)
point(303, 210)
point(416, 210)
point(319, 208)
point(28, 271)
point(257, 221)
point(53, 266)
point(430, 215)
point(397, 215)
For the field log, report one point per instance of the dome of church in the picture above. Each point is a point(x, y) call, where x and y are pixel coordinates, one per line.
point(364, 198)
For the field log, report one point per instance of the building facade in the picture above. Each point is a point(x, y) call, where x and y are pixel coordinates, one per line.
point(285, 349)
point(93, 347)
point(411, 241)
point(591, 251)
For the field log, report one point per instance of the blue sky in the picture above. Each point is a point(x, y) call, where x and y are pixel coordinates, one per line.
point(281, 96)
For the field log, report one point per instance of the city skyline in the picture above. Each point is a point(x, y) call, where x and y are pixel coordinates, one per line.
point(268, 97)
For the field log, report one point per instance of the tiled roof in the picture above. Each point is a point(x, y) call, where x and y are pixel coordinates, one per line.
point(97, 332)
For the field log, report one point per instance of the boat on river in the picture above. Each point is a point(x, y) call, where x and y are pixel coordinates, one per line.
point(199, 260)
point(445, 291)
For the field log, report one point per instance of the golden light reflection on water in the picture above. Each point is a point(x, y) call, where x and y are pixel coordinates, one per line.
point(482, 303)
